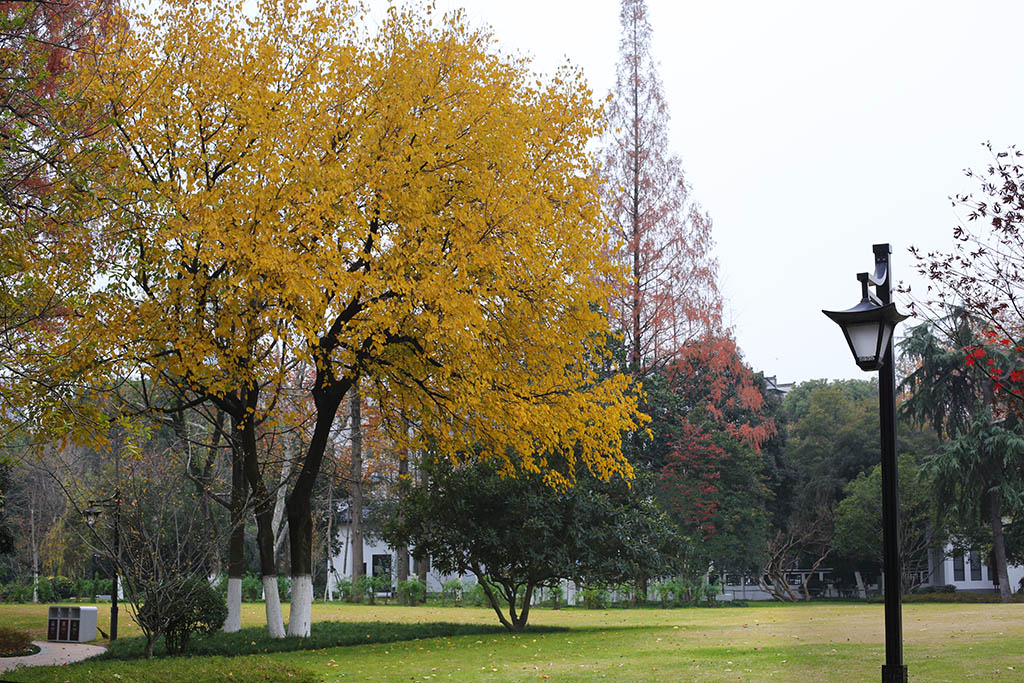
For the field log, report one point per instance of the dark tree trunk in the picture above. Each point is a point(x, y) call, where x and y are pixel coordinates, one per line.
point(328, 393)
point(299, 503)
point(263, 503)
point(244, 435)
point(640, 599)
point(236, 542)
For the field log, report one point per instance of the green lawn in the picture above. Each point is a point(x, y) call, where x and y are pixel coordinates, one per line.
point(821, 642)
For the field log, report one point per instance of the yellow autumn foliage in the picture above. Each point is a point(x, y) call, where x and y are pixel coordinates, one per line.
point(409, 206)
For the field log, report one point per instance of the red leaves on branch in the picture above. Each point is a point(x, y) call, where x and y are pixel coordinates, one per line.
point(982, 278)
point(689, 479)
point(712, 376)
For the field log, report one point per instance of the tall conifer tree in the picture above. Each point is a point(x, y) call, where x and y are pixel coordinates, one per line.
point(663, 236)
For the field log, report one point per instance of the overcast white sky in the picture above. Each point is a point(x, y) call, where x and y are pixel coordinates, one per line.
point(809, 130)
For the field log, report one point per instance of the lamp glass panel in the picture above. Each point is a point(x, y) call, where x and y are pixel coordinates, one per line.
point(864, 339)
point(887, 329)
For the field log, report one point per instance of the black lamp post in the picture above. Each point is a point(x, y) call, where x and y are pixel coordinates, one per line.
point(868, 328)
point(92, 513)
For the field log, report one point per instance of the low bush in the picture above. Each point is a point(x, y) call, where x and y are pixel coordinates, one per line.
point(284, 587)
point(960, 597)
point(412, 591)
point(252, 588)
point(103, 586)
point(451, 592)
point(476, 596)
point(555, 596)
point(362, 588)
point(15, 643)
point(381, 584)
point(181, 608)
point(323, 634)
point(44, 590)
point(63, 587)
point(343, 589)
point(595, 597)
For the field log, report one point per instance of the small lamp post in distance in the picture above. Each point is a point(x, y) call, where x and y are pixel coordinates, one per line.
point(868, 329)
point(92, 513)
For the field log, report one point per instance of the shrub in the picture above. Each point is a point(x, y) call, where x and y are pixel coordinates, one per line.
point(708, 592)
point(284, 587)
point(16, 592)
point(343, 589)
point(555, 596)
point(63, 587)
point(83, 588)
point(362, 587)
point(624, 594)
point(476, 596)
point(963, 597)
point(44, 590)
point(665, 590)
point(451, 590)
point(13, 643)
point(252, 588)
point(595, 597)
point(180, 608)
point(412, 591)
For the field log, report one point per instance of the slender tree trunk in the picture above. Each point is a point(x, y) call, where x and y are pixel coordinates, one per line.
point(35, 549)
point(279, 498)
point(236, 543)
point(264, 511)
point(402, 551)
point(999, 546)
point(356, 487)
point(491, 597)
point(328, 556)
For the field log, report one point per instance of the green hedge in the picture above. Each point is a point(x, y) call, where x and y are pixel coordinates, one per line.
point(959, 596)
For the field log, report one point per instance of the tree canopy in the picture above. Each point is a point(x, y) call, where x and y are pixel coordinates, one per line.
point(516, 534)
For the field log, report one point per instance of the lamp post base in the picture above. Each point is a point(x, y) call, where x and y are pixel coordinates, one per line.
point(894, 674)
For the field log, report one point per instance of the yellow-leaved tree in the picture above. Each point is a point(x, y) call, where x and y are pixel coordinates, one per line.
point(410, 208)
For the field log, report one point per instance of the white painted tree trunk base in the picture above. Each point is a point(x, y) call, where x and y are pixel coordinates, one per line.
point(233, 623)
point(302, 606)
point(272, 602)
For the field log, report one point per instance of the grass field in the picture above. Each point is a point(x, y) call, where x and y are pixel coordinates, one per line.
point(816, 642)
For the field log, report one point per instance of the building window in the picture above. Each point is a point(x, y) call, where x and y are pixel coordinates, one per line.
point(958, 567)
point(382, 565)
point(975, 566)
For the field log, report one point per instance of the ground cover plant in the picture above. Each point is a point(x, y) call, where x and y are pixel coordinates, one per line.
point(324, 634)
point(818, 641)
point(14, 643)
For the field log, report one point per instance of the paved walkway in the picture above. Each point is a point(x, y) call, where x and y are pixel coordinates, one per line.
point(51, 654)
